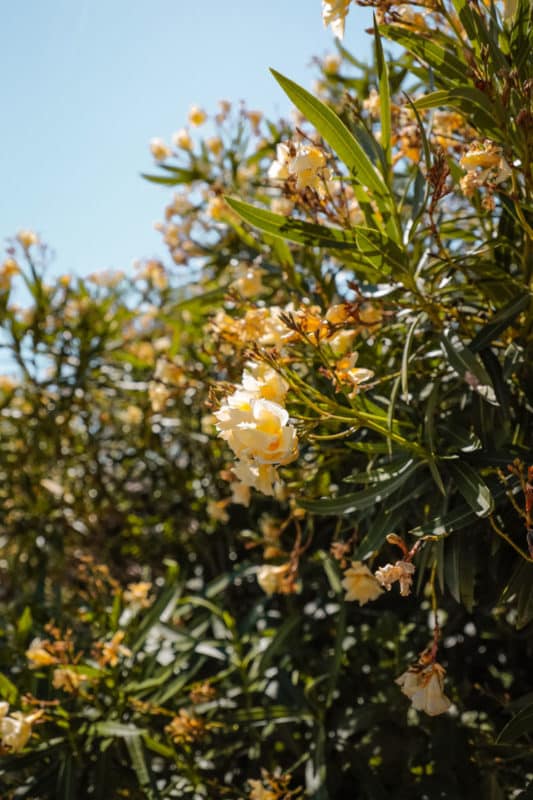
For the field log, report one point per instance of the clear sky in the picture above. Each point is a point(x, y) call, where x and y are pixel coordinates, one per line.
point(87, 83)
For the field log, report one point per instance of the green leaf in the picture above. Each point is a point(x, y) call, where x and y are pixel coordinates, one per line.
point(338, 136)
point(473, 488)
point(519, 725)
point(475, 105)
point(445, 62)
point(467, 366)
point(359, 501)
point(385, 104)
point(296, 230)
point(8, 690)
point(499, 322)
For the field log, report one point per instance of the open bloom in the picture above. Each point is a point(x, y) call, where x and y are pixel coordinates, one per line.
point(334, 13)
point(15, 730)
point(424, 686)
point(160, 150)
point(360, 584)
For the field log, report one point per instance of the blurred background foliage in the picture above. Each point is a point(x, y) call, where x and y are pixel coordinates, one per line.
point(139, 654)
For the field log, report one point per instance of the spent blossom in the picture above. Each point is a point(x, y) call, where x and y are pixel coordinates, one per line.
point(401, 571)
point(424, 686)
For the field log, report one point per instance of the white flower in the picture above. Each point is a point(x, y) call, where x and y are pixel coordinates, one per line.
point(334, 13)
point(15, 730)
point(240, 493)
point(279, 169)
point(262, 477)
point(360, 584)
point(182, 139)
point(425, 688)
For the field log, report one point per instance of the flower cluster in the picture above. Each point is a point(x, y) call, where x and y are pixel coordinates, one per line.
point(304, 163)
point(255, 424)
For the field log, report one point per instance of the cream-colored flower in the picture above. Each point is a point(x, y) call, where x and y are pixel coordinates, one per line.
point(360, 584)
point(257, 429)
point(240, 493)
point(113, 650)
point(401, 571)
point(258, 791)
point(347, 372)
point(263, 477)
point(160, 150)
point(197, 116)
point(279, 169)
point(282, 206)
point(372, 104)
point(215, 145)
point(69, 680)
point(308, 166)
point(261, 380)
point(216, 510)
point(27, 238)
point(424, 686)
point(248, 280)
point(331, 64)
point(137, 593)
point(39, 656)
point(159, 395)
point(271, 578)
point(334, 14)
point(8, 270)
point(182, 139)
point(15, 730)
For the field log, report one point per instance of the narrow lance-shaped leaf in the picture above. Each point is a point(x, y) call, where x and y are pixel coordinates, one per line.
point(343, 143)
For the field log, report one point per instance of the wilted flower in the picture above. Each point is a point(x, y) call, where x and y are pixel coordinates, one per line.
point(184, 728)
point(424, 686)
point(401, 571)
point(240, 493)
point(360, 584)
point(258, 791)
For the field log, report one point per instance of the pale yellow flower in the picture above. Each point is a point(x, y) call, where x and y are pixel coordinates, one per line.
point(113, 650)
point(214, 144)
point(216, 510)
point(8, 270)
point(197, 116)
point(308, 166)
point(67, 679)
point(360, 584)
point(240, 493)
point(258, 791)
point(39, 656)
point(27, 238)
point(248, 280)
point(331, 64)
point(160, 150)
point(137, 593)
point(182, 139)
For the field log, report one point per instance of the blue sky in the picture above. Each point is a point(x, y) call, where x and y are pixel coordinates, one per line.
point(87, 84)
